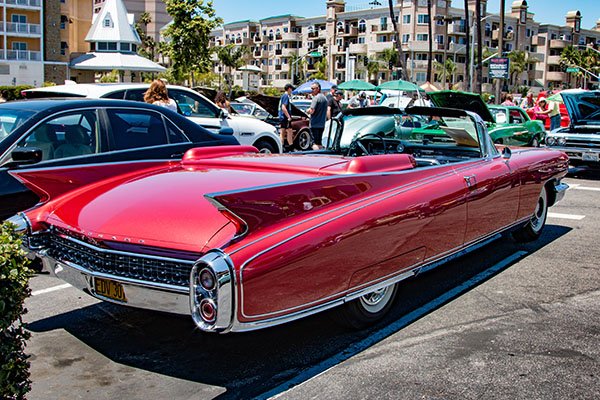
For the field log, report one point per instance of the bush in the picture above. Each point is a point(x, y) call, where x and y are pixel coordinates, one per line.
point(14, 288)
point(14, 92)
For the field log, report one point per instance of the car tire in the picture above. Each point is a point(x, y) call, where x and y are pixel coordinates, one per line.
point(533, 228)
point(303, 140)
point(535, 142)
point(367, 309)
point(264, 146)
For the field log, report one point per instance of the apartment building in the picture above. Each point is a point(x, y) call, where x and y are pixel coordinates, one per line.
point(347, 34)
point(21, 42)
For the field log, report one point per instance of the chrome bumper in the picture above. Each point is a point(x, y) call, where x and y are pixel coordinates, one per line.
point(584, 154)
point(560, 190)
point(140, 294)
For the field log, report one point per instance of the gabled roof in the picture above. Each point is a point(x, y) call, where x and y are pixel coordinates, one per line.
point(108, 61)
point(111, 24)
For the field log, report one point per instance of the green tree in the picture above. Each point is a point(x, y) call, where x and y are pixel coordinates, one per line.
point(373, 68)
point(430, 41)
point(450, 70)
point(321, 70)
point(188, 34)
point(148, 46)
point(232, 57)
point(299, 63)
point(400, 55)
point(390, 56)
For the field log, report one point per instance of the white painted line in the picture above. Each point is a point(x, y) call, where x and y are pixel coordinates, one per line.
point(593, 189)
point(50, 289)
point(573, 185)
point(389, 330)
point(566, 216)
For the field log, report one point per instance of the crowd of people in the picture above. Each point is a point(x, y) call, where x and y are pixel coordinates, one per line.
point(542, 109)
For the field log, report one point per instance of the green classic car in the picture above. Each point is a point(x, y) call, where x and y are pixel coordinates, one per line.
point(506, 125)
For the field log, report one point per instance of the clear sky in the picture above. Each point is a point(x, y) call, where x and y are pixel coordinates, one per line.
point(546, 11)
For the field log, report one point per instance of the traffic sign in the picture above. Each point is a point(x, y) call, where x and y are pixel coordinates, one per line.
point(499, 68)
point(573, 69)
point(315, 54)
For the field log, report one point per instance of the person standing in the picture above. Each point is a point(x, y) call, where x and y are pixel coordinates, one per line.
point(318, 115)
point(554, 114)
point(157, 94)
point(222, 102)
point(4, 96)
point(333, 104)
point(331, 93)
point(508, 101)
point(528, 102)
point(285, 118)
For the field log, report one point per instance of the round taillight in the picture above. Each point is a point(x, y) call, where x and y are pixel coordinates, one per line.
point(207, 279)
point(208, 311)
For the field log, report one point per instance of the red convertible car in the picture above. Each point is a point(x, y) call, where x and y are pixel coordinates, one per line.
point(241, 240)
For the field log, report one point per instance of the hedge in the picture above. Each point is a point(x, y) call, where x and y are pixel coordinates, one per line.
point(14, 289)
point(14, 92)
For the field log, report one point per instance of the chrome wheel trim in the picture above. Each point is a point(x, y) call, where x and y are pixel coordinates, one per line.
point(304, 140)
point(375, 301)
point(539, 217)
point(264, 150)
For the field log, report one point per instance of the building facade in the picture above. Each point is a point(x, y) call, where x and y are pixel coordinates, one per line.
point(346, 35)
point(21, 42)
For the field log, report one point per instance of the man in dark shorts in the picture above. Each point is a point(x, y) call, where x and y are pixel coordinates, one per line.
point(285, 118)
point(318, 115)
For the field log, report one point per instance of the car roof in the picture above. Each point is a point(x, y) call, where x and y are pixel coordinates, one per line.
point(94, 89)
point(57, 104)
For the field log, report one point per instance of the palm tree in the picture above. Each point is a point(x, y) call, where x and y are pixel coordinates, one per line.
point(400, 57)
point(390, 56)
point(518, 64)
point(299, 61)
point(232, 56)
point(450, 70)
point(467, 44)
point(430, 39)
point(373, 68)
point(572, 57)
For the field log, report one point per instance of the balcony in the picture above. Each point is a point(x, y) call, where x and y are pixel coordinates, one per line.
point(378, 47)
point(556, 76)
point(554, 60)
point(457, 29)
point(538, 40)
point(242, 41)
point(21, 55)
point(278, 67)
point(559, 43)
point(417, 64)
point(538, 56)
point(507, 36)
point(23, 29)
point(358, 48)
point(313, 34)
point(22, 3)
point(291, 37)
point(351, 31)
point(278, 52)
point(278, 36)
point(418, 45)
point(257, 53)
point(340, 65)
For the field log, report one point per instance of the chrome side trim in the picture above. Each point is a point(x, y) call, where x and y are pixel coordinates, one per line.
point(560, 190)
point(222, 296)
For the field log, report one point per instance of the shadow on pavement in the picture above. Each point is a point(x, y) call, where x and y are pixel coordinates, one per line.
point(250, 364)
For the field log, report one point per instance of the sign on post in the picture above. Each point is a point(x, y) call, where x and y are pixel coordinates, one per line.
point(499, 68)
point(573, 69)
point(316, 54)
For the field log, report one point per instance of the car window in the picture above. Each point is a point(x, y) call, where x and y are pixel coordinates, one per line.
point(515, 117)
point(136, 128)
point(68, 135)
point(11, 119)
point(192, 105)
point(135, 94)
point(174, 134)
point(115, 95)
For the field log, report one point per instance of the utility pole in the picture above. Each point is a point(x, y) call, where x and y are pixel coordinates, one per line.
point(479, 46)
point(500, 50)
point(467, 60)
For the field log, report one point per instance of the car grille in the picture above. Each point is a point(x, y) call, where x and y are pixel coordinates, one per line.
point(580, 143)
point(126, 265)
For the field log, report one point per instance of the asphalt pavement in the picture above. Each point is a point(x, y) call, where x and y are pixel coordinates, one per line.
point(507, 321)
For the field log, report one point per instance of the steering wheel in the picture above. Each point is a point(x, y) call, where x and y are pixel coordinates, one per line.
point(357, 144)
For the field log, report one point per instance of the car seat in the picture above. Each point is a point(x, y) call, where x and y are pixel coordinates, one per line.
point(76, 143)
point(44, 139)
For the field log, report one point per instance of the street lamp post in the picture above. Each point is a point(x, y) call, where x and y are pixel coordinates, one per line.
point(446, 19)
point(472, 66)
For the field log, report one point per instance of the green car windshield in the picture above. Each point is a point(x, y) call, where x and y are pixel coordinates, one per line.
point(456, 131)
point(499, 114)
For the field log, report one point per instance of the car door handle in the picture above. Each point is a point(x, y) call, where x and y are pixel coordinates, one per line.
point(177, 155)
point(471, 181)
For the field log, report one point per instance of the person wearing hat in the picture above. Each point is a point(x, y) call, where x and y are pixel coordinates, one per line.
point(358, 101)
point(492, 99)
point(551, 109)
point(285, 118)
point(331, 93)
point(333, 104)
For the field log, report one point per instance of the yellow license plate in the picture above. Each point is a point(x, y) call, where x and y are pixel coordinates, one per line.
point(111, 289)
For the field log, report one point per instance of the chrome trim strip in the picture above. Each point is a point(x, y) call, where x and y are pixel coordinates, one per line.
point(560, 190)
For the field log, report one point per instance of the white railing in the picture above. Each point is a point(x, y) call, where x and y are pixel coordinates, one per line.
point(26, 29)
point(27, 3)
point(24, 55)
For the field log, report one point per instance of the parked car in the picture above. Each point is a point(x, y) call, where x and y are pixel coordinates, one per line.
point(46, 134)
point(506, 125)
point(564, 115)
point(300, 120)
point(242, 241)
point(581, 139)
point(248, 131)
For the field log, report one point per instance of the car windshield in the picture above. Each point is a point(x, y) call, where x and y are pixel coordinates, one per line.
point(243, 108)
point(396, 127)
point(11, 119)
point(499, 115)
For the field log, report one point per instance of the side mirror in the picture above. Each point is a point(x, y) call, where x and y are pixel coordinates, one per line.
point(26, 155)
point(506, 153)
point(226, 131)
point(223, 114)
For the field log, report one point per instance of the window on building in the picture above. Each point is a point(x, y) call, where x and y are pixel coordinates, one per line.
point(63, 48)
point(112, 46)
point(362, 26)
point(438, 57)
point(361, 40)
point(461, 59)
point(383, 23)
point(439, 39)
point(422, 37)
point(63, 21)
point(421, 56)
point(382, 38)
point(406, 38)
point(406, 19)
point(421, 76)
point(107, 23)
point(422, 19)
point(125, 47)
point(439, 22)
point(19, 46)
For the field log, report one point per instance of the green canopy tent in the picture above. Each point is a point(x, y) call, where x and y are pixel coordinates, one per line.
point(401, 85)
point(356, 84)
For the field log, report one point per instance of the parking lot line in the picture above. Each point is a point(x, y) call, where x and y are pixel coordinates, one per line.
point(389, 330)
point(50, 289)
point(593, 189)
point(566, 216)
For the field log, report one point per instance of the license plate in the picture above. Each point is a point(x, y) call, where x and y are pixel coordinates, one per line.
point(111, 289)
point(590, 156)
